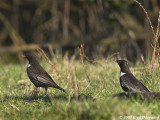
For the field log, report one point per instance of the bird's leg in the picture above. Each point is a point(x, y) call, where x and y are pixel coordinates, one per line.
point(36, 90)
point(46, 90)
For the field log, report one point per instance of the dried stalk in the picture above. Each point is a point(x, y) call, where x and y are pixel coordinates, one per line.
point(156, 36)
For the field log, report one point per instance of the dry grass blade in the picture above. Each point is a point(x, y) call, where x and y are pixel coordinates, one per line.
point(114, 54)
point(157, 35)
point(44, 56)
point(82, 54)
point(156, 44)
point(142, 59)
point(75, 84)
point(81, 49)
point(146, 16)
point(69, 97)
point(15, 107)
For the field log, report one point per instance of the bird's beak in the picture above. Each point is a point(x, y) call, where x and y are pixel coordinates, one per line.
point(114, 60)
point(117, 61)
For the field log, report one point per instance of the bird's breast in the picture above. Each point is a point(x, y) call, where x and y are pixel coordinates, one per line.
point(29, 65)
point(121, 74)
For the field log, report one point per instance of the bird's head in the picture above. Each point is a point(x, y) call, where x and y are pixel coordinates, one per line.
point(123, 64)
point(30, 56)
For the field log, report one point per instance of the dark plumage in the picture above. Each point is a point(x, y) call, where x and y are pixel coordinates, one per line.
point(38, 76)
point(128, 82)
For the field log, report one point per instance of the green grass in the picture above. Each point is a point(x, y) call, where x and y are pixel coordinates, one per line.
point(18, 101)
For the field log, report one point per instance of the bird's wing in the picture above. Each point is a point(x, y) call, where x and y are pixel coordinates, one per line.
point(41, 75)
point(130, 82)
point(46, 79)
point(127, 85)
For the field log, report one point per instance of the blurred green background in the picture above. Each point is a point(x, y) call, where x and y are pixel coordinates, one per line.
point(104, 26)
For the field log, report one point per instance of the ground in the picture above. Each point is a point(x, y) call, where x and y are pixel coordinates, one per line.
point(96, 82)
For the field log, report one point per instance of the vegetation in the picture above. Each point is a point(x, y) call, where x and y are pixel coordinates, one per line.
point(96, 83)
point(104, 26)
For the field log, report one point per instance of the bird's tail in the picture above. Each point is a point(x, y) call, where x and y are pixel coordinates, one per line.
point(61, 89)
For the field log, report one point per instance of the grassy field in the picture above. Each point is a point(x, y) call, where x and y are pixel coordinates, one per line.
point(96, 84)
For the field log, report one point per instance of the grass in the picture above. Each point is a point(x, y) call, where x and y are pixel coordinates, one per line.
point(18, 101)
